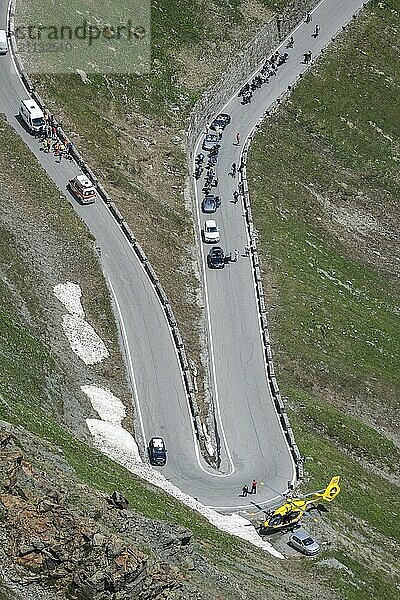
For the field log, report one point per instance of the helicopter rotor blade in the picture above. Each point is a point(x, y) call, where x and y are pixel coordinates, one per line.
point(276, 491)
point(260, 508)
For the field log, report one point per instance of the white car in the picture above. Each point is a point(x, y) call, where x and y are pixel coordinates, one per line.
point(3, 42)
point(211, 232)
point(209, 141)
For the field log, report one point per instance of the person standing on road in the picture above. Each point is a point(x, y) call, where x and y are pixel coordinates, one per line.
point(61, 152)
point(235, 196)
point(237, 139)
point(316, 32)
point(308, 18)
point(253, 487)
point(233, 170)
point(69, 149)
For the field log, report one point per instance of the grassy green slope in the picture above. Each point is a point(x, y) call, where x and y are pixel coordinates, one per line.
point(324, 188)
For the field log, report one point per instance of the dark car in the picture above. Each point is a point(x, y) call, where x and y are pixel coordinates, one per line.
point(210, 203)
point(221, 121)
point(157, 452)
point(216, 258)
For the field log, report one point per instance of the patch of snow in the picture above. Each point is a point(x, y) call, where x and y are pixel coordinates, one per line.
point(106, 436)
point(83, 340)
point(120, 446)
point(108, 407)
point(117, 443)
point(70, 294)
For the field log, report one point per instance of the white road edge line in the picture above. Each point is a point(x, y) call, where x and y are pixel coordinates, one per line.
point(245, 506)
point(234, 95)
point(129, 356)
point(137, 401)
point(11, 2)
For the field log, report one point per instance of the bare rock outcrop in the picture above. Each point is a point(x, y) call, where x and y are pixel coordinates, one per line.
point(53, 544)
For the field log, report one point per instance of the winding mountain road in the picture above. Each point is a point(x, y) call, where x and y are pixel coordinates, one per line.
point(252, 440)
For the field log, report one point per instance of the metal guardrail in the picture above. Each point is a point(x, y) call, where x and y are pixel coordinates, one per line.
point(273, 383)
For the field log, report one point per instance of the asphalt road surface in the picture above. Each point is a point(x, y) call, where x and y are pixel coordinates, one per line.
point(253, 444)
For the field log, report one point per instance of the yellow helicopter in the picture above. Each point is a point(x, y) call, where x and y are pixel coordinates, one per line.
point(291, 511)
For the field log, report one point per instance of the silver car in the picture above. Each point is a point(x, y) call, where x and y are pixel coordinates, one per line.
point(302, 540)
point(210, 140)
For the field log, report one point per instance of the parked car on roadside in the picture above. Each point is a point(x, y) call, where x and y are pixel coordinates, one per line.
point(222, 120)
point(210, 203)
point(210, 140)
point(82, 188)
point(211, 232)
point(301, 540)
point(216, 258)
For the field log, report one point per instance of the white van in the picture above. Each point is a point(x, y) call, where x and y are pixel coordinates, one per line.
point(82, 188)
point(3, 42)
point(32, 115)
